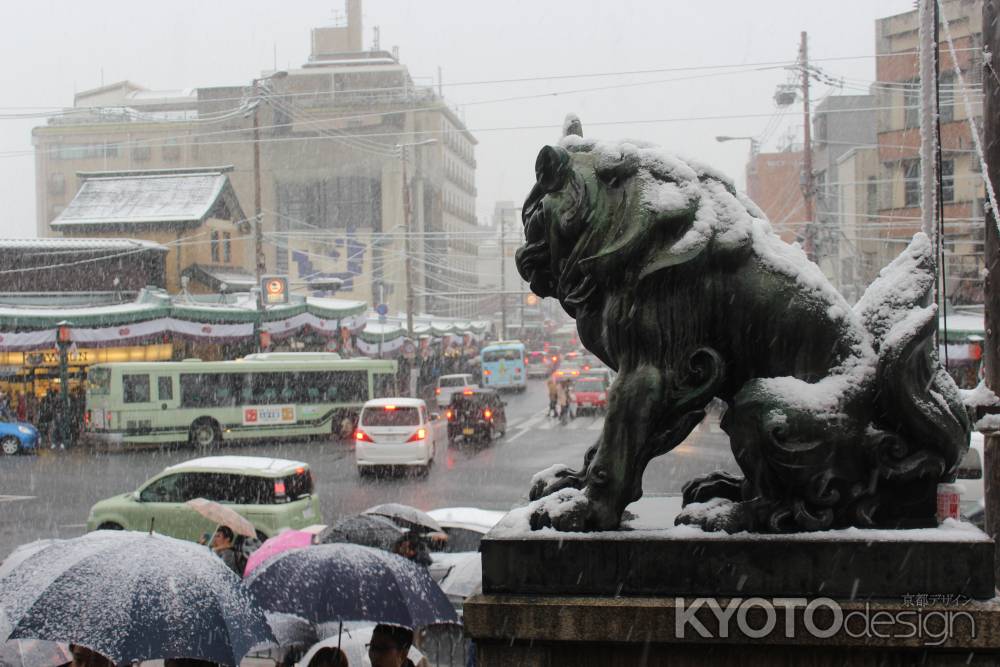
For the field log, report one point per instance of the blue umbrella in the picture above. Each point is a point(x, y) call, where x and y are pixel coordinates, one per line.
point(328, 583)
point(131, 597)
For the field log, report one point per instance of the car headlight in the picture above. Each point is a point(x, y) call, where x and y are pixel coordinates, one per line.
point(27, 430)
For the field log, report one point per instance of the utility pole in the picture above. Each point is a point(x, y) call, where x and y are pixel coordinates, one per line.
point(258, 220)
point(408, 233)
point(258, 232)
point(991, 147)
point(807, 163)
point(503, 277)
point(407, 245)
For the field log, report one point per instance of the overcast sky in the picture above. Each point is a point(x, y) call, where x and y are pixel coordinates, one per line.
point(57, 47)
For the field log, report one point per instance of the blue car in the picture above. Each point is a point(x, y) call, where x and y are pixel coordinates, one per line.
point(17, 437)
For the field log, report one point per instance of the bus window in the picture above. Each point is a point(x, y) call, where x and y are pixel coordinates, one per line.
point(501, 355)
point(165, 388)
point(99, 380)
point(385, 385)
point(135, 388)
point(206, 390)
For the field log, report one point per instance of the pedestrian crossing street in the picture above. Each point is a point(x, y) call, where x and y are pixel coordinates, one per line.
point(540, 421)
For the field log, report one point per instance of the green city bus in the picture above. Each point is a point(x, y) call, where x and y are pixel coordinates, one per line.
point(269, 395)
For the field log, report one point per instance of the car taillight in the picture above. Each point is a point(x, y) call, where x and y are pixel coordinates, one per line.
point(488, 413)
point(279, 488)
point(555, 359)
point(467, 392)
point(419, 435)
point(361, 436)
point(487, 372)
point(449, 414)
point(437, 391)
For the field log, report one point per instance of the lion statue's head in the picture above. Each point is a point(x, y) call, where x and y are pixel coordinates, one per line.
point(624, 208)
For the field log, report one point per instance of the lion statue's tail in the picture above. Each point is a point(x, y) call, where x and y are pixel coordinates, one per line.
point(919, 412)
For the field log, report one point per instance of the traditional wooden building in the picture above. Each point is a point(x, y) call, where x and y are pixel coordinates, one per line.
point(193, 213)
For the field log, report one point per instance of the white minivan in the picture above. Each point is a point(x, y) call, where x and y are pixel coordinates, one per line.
point(396, 432)
point(447, 385)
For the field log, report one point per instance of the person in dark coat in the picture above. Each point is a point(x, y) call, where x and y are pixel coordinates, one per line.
point(223, 544)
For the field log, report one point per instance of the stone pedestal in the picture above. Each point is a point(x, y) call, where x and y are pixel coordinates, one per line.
point(681, 597)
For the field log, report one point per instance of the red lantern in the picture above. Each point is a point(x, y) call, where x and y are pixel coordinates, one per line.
point(64, 335)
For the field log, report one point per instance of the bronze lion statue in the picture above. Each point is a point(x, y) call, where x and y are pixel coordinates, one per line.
point(837, 416)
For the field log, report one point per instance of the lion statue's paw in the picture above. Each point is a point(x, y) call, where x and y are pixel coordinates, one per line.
point(718, 514)
point(553, 479)
point(718, 484)
point(571, 510)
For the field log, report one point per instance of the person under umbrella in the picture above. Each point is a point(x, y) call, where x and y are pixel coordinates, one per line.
point(129, 597)
point(364, 529)
point(390, 645)
point(333, 583)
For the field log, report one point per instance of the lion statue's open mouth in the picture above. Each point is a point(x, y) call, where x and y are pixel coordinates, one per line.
point(837, 415)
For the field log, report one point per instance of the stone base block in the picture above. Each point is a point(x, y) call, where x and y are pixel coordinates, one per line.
point(530, 631)
point(953, 560)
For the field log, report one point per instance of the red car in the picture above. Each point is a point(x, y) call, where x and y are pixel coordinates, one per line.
point(591, 393)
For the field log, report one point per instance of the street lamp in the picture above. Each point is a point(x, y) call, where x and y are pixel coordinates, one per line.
point(64, 338)
point(754, 143)
point(258, 234)
point(407, 247)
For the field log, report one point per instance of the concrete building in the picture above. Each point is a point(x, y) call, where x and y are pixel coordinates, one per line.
point(331, 175)
point(898, 96)
point(524, 306)
point(773, 184)
point(842, 125)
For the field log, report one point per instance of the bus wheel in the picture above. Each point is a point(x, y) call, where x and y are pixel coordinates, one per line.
point(205, 434)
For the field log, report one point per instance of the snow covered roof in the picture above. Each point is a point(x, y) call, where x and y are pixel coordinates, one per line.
point(214, 277)
point(77, 243)
point(176, 196)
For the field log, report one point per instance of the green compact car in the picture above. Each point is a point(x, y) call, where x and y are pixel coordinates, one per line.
point(271, 493)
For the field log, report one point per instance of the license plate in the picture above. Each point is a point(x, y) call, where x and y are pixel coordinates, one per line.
point(468, 431)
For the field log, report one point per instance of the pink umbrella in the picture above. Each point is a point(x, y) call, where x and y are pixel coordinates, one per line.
point(289, 539)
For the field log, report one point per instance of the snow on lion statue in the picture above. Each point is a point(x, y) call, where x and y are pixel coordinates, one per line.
point(837, 416)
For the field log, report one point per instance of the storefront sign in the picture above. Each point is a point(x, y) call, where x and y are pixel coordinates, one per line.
point(262, 415)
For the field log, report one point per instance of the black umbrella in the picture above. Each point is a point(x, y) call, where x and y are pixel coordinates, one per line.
point(364, 529)
point(131, 597)
point(406, 516)
point(347, 582)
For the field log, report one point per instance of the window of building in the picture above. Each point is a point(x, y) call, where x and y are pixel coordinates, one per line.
point(948, 94)
point(57, 183)
point(227, 247)
point(948, 180)
point(141, 153)
point(911, 183)
point(215, 246)
point(911, 103)
point(171, 151)
point(871, 196)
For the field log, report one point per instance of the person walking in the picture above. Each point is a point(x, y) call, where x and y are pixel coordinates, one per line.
point(562, 400)
point(553, 396)
point(390, 645)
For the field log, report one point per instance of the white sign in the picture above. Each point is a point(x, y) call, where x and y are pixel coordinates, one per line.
point(262, 415)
